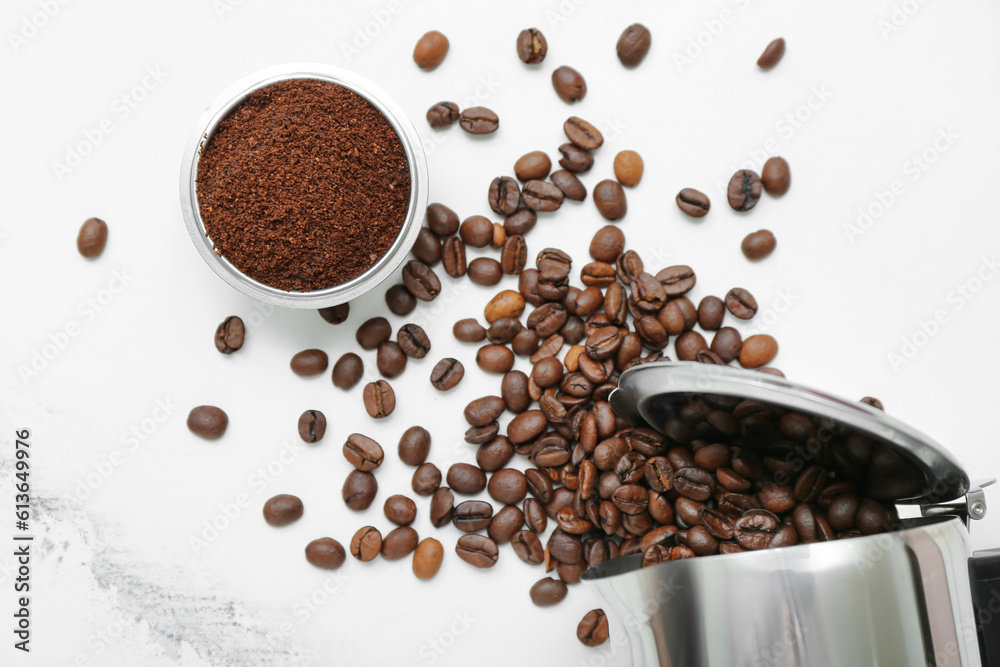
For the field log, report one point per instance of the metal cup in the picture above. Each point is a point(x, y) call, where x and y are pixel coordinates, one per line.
point(330, 296)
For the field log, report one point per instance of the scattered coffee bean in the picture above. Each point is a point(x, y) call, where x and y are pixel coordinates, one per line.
point(442, 507)
point(772, 54)
point(421, 280)
point(373, 332)
point(727, 343)
point(548, 591)
point(476, 231)
point(633, 45)
point(413, 341)
point(442, 114)
point(399, 543)
point(477, 550)
point(326, 553)
point(693, 202)
point(441, 220)
point(532, 166)
point(430, 50)
point(366, 544)
point(399, 301)
point(359, 490)
point(469, 331)
point(466, 479)
point(363, 452)
point(379, 399)
point(347, 371)
point(495, 358)
point(518, 223)
point(744, 190)
point(229, 335)
point(282, 510)
point(414, 445)
point(531, 46)
point(775, 176)
point(574, 159)
point(447, 373)
point(607, 244)
point(507, 303)
point(390, 359)
point(593, 628)
point(335, 314)
point(507, 486)
point(758, 245)
point(472, 515)
point(92, 238)
point(628, 168)
point(677, 280)
point(312, 426)
point(610, 200)
point(542, 196)
point(711, 312)
point(873, 402)
point(528, 547)
point(583, 134)
point(400, 510)
point(478, 120)
point(308, 363)
point(426, 479)
point(570, 185)
point(427, 558)
point(427, 247)
point(569, 84)
point(758, 350)
point(741, 303)
point(207, 421)
point(500, 232)
point(504, 196)
point(485, 271)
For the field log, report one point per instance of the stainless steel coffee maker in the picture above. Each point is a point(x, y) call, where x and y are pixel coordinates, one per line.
point(914, 596)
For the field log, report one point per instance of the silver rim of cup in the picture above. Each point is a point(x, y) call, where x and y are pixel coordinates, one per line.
point(330, 296)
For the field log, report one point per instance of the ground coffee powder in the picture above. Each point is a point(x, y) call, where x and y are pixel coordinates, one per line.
point(305, 185)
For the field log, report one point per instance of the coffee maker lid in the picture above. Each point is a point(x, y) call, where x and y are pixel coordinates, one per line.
point(888, 459)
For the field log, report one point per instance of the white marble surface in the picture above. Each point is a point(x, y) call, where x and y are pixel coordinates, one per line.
point(865, 90)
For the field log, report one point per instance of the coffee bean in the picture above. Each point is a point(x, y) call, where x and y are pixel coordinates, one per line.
point(482, 411)
point(422, 282)
point(466, 479)
point(693, 202)
point(526, 426)
point(539, 485)
point(689, 344)
point(532, 166)
point(528, 547)
point(373, 332)
point(347, 371)
point(92, 238)
point(758, 245)
point(755, 529)
point(583, 134)
point(427, 247)
point(366, 544)
point(495, 358)
point(379, 399)
point(312, 426)
point(568, 84)
point(553, 284)
point(531, 46)
point(442, 507)
point(476, 231)
point(430, 50)
point(633, 45)
point(412, 341)
point(478, 120)
point(711, 312)
point(335, 314)
point(427, 558)
point(505, 523)
point(502, 331)
point(426, 479)
point(607, 244)
point(777, 498)
point(229, 335)
point(399, 543)
point(282, 510)
point(514, 255)
point(548, 591)
point(362, 452)
point(604, 343)
point(326, 553)
point(630, 498)
point(453, 257)
point(741, 303)
point(447, 373)
point(677, 316)
point(629, 266)
point(873, 402)
point(442, 114)
point(504, 195)
point(542, 196)
point(359, 490)
point(598, 274)
point(677, 280)
point(610, 200)
point(390, 359)
point(495, 454)
point(574, 159)
point(694, 483)
point(400, 510)
point(469, 331)
point(399, 301)
point(776, 176)
point(727, 343)
point(628, 168)
point(442, 220)
point(308, 363)
point(500, 232)
point(414, 445)
point(207, 421)
point(744, 190)
point(570, 185)
point(477, 550)
point(772, 54)
point(472, 515)
point(758, 350)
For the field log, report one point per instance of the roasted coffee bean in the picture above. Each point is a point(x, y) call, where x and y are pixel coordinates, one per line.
point(553, 284)
point(359, 490)
point(476, 231)
point(758, 350)
point(651, 332)
point(607, 244)
point(604, 342)
point(466, 479)
point(413, 341)
point(326, 553)
point(712, 457)
point(564, 547)
point(528, 547)
point(308, 363)
point(693, 203)
point(500, 232)
point(379, 399)
point(532, 166)
point(335, 314)
point(92, 238)
point(810, 484)
point(527, 285)
point(414, 445)
point(711, 312)
point(430, 50)
point(505, 523)
point(717, 524)
point(583, 134)
point(495, 454)
point(873, 402)
point(469, 331)
point(399, 543)
point(207, 421)
point(442, 220)
point(427, 247)
point(442, 507)
point(772, 54)
point(482, 411)
point(422, 282)
point(871, 517)
point(480, 435)
point(631, 468)
point(363, 452)
point(453, 257)
point(373, 332)
point(628, 168)
point(518, 223)
point(472, 515)
point(526, 426)
point(531, 46)
point(514, 391)
point(568, 84)
point(755, 529)
point(677, 280)
point(426, 479)
point(548, 372)
point(447, 373)
point(649, 297)
point(609, 197)
point(542, 196)
point(400, 510)
point(514, 255)
point(633, 45)
point(478, 120)
point(534, 515)
point(442, 114)
point(574, 330)
point(504, 195)
point(502, 331)
point(597, 274)
point(659, 473)
point(630, 498)
point(282, 510)
point(508, 486)
point(694, 483)
point(553, 260)
point(312, 426)
point(741, 303)
point(229, 335)
point(777, 498)
point(539, 485)
point(427, 558)
point(842, 511)
point(689, 344)
point(744, 190)
point(347, 371)
point(758, 245)
point(574, 159)
point(399, 301)
point(495, 358)
point(727, 343)
point(485, 271)
point(569, 184)
point(477, 550)
point(390, 359)
point(547, 319)
point(366, 544)
point(776, 176)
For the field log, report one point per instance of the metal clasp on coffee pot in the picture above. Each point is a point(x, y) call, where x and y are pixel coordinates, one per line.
point(971, 507)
